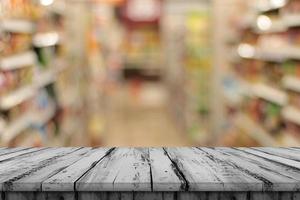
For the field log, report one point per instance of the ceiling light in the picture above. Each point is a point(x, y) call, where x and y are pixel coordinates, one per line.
point(46, 2)
point(246, 51)
point(264, 22)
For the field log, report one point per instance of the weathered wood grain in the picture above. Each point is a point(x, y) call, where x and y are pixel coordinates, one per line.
point(124, 169)
point(24, 196)
point(32, 180)
point(148, 195)
point(277, 168)
point(4, 151)
point(65, 179)
point(14, 154)
point(151, 195)
point(165, 176)
point(14, 169)
point(150, 173)
point(282, 152)
point(40, 196)
point(272, 180)
point(206, 173)
point(275, 158)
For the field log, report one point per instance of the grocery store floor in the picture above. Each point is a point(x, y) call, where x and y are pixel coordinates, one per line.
point(138, 116)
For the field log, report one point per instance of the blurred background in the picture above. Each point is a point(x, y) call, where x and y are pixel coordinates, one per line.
point(149, 72)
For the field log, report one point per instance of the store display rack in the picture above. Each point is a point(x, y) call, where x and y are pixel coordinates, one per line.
point(26, 107)
point(267, 62)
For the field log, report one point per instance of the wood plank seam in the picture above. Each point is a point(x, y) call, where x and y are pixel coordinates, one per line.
point(151, 176)
point(8, 159)
point(13, 151)
point(8, 183)
point(178, 172)
point(271, 160)
point(93, 165)
point(273, 154)
point(268, 185)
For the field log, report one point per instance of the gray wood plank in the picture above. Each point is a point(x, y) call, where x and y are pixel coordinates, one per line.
point(169, 195)
point(40, 196)
point(16, 168)
point(16, 154)
point(126, 196)
point(124, 169)
point(233, 195)
point(285, 161)
point(205, 173)
point(272, 179)
point(5, 151)
point(282, 152)
point(148, 195)
point(165, 176)
point(65, 180)
point(93, 196)
point(286, 195)
point(265, 196)
point(24, 196)
point(296, 196)
point(106, 196)
point(59, 195)
point(274, 167)
point(32, 180)
point(193, 196)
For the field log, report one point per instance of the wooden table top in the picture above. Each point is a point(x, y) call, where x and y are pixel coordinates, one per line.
point(150, 169)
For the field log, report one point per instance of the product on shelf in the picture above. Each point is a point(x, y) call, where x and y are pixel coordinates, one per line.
point(269, 65)
point(30, 45)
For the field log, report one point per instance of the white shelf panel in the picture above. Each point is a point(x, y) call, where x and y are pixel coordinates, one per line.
point(255, 131)
point(275, 54)
point(18, 61)
point(291, 20)
point(16, 127)
point(17, 97)
point(270, 94)
point(292, 114)
point(276, 27)
point(46, 39)
point(18, 25)
point(291, 83)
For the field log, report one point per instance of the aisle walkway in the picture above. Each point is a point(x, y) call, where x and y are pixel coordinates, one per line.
point(141, 120)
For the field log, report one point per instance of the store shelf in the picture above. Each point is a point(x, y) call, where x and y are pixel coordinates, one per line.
point(292, 114)
point(291, 20)
point(17, 97)
point(270, 94)
point(276, 27)
point(24, 93)
point(18, 61)
point(291, 83)
point(291, 52)
point(266, 6)
point(289, 140)
point(17, 25)
point(255, 131)
point(249, 51)
point(46, 39)
point(16, 127)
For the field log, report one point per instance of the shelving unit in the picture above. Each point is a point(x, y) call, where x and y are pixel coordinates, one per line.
point(268, 55)
point(27, 105)
point(189, 68)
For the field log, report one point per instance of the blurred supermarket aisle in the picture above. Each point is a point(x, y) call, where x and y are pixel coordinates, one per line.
point(149, 73)
point(139, 117)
